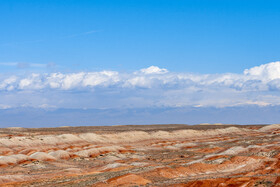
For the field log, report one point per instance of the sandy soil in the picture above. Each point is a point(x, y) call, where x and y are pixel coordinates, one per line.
point(150, 155)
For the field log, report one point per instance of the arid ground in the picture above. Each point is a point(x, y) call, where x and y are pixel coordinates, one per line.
point(150, 155)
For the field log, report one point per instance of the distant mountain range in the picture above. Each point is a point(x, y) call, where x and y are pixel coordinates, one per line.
point(34, 117)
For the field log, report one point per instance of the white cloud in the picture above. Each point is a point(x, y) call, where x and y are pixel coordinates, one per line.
point(152, 86)
point(54, 80)
point(104, 78)
point(34, 81)
point(8, 63)
point(139, 81)
point(73, 80)
point(265, 72)
point(24, 65)
point(81, 80)
point(153, 70)
point(7, 84)
point(4, 106)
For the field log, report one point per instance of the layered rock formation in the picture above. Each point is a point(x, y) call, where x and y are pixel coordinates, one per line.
point(173, 155)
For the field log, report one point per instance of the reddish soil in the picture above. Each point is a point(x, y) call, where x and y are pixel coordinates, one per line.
point(155, 155)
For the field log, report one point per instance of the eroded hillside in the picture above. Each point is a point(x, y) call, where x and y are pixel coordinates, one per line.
point(173, 155)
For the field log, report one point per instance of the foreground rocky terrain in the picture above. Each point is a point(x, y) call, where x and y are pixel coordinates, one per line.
point(153, 155)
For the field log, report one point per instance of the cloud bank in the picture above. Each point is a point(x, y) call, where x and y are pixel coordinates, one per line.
point(149, 87)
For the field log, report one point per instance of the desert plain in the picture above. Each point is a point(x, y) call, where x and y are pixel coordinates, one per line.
point(141, 155)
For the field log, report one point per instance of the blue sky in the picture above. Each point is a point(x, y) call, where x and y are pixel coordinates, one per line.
point(199, 36)
point(131, 54)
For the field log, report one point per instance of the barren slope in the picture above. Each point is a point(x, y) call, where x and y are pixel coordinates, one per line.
point(156, 155)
